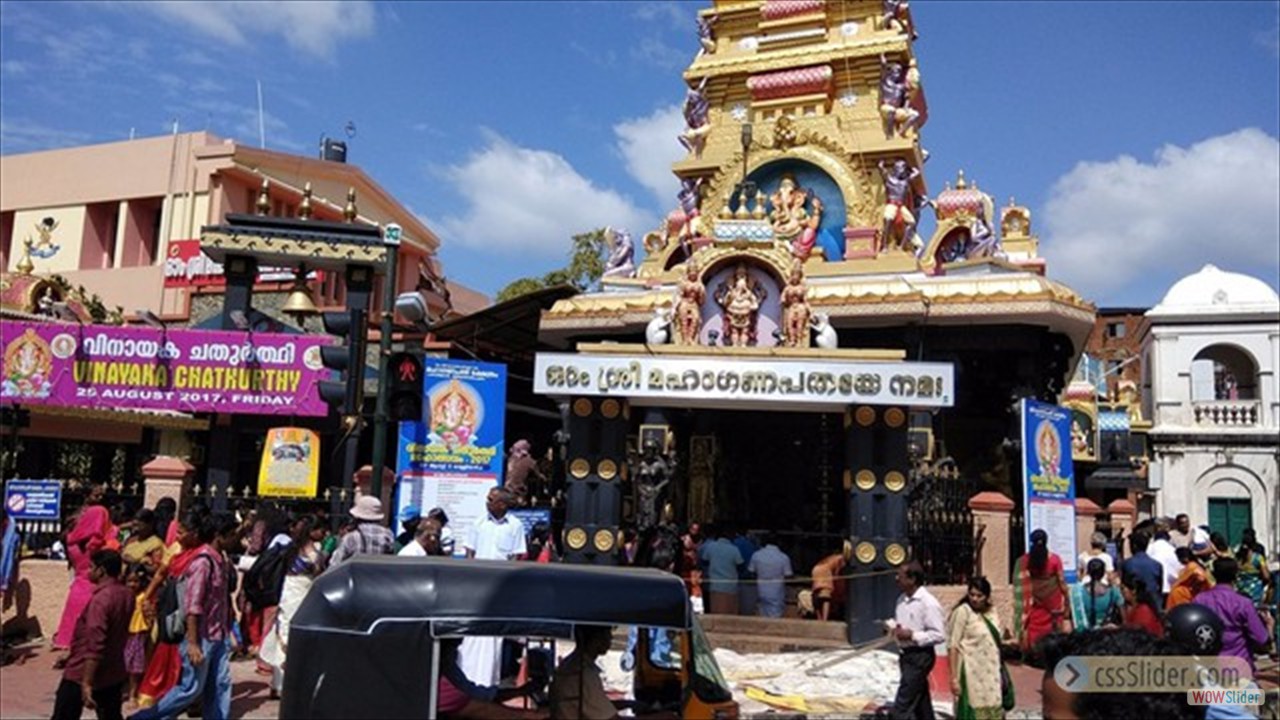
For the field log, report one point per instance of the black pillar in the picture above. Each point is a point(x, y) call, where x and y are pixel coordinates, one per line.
point(876, 471)
point(359, 286)
point(241, 272)
point(597, 463)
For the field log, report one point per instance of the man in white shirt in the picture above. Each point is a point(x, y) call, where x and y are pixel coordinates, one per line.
point(498, 536)
point(918, 626)
point(426, 541)
point(1162, 551)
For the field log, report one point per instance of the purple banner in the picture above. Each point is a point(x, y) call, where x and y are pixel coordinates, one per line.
point(107, 367)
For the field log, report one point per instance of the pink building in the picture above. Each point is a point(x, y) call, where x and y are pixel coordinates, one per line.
point(109, 216)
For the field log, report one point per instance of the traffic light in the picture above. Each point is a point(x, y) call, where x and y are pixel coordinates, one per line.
point(404, 387)
point(345, 395)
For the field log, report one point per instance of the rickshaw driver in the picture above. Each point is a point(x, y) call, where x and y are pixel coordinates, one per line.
point(577, 691)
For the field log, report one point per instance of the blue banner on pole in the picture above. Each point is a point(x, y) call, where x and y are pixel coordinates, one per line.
point(530, 517)
point(1048, 477)
point(33, 499)
point(453, 456)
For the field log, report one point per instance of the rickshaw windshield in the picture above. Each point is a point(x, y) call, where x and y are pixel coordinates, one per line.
point(707, 680)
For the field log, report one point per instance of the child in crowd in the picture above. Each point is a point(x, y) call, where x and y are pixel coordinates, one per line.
point(137, 579)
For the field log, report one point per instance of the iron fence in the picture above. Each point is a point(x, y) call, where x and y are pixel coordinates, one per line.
point(940, 523)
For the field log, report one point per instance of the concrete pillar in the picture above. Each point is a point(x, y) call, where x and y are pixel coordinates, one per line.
point(1123, 515)
point(167, 476)
point(991, 512)
point(1087, 512)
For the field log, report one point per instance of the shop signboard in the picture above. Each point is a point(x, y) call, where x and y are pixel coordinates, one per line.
point(33, 499)
point(187, 266)
point(290, 463)
point(108, 368)
point(1048, 477)
point(453, 455)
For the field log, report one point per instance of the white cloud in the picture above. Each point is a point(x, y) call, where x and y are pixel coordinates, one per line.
point(531, 201)
point(14, 67)
point(18, 136)
point(1118, 226)
point(312, 27)
point(649, 147)
point(677, 15)
point(655, 51)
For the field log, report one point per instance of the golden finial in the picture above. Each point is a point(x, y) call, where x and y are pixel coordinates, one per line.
point(304, 210)
point(743, 213)
point(263, 205)
point(25, 266)
point(349, 212)
point(757, 213)
point(960, 181)
point(726, 212)
point(1012, 203)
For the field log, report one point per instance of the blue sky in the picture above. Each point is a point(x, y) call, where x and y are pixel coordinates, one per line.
point(1142, 135)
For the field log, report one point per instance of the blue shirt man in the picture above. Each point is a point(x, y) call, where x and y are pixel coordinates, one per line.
point(771, 567)
point(1143, 566)
point(722, 560)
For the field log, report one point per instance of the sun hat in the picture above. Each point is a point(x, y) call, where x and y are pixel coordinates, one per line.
point(367, 507)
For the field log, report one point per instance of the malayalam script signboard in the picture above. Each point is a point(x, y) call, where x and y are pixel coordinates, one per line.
point(108, 367)
point(187, 266)
point(739, 380)
point(1048, 477)
point(453, 455)
point(33, 499)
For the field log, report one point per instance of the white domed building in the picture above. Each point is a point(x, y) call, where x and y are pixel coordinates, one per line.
point(1211, 354)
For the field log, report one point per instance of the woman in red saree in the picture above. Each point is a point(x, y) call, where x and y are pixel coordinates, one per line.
point(165, 666)
point(87, 536)
point(1039, 592)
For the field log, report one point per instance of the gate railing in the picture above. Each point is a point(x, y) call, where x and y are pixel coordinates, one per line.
point(940, 523)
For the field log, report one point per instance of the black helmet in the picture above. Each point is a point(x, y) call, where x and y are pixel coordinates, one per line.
point(1195, 627)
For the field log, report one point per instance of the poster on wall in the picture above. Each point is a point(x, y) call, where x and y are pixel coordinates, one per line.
point(33, 499)
point(453, 455)
point(186, 265)
point(144, 368)
point(1048, 477)
point(290, 463)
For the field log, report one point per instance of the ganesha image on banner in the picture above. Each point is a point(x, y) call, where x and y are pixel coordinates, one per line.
point(456, 412)
point(28, 367)
point(1048, 450)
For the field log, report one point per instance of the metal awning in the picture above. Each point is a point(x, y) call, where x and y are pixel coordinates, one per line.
point(1116, 477)
point(508, 328)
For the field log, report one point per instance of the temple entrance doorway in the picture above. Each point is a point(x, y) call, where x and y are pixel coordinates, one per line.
point(766, 472)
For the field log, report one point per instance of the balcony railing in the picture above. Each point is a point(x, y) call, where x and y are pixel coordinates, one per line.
point(1227, 413)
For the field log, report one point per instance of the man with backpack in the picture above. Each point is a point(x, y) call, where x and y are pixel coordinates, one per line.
point(201, 621)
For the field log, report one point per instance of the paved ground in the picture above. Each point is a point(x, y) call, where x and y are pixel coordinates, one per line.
point(28, 685)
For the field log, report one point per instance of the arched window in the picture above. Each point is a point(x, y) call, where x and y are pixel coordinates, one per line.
point(1223, 372)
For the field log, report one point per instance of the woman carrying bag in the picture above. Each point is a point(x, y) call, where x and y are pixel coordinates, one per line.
point(980, 683)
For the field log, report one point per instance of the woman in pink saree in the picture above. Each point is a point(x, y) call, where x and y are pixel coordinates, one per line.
point(87, 536)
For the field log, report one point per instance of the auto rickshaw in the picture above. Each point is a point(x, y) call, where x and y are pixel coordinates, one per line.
point(366, 641)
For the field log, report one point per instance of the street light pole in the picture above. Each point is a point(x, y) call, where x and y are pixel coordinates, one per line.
point(391, 238)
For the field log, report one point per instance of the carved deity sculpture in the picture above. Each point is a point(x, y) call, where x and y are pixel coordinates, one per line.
point(697, 119)
point(621, 260)
point(706, 34)
point(740, 297)
point(896, 88)
point(897, 17)
point(899, 228)
point(688, 310)
point(983, 242)
point(652, 477)
point(792, 223)
point(795, 309)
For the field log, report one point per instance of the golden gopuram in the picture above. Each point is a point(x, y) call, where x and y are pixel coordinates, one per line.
point(791, 352)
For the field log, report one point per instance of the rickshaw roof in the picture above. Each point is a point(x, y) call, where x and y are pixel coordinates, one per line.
point(489, 597)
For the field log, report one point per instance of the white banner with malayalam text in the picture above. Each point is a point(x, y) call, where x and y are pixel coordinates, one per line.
point(731, 381)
